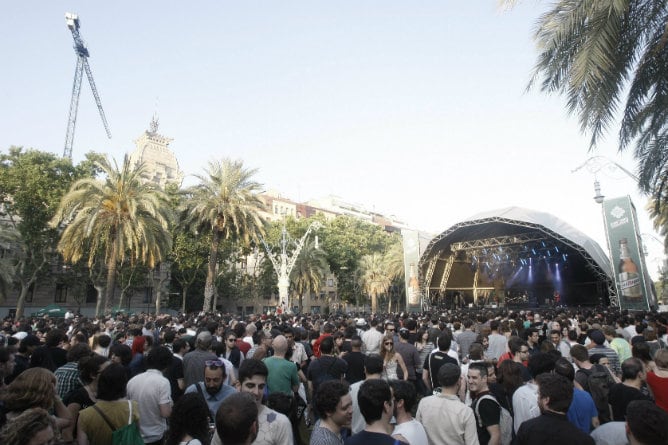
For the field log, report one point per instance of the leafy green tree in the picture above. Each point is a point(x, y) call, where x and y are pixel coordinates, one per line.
point(309, 271)
point(118, 215)
point(189, 259)
point(32, 183)
point(225, 205)
point(604, 54)
point(9, 241)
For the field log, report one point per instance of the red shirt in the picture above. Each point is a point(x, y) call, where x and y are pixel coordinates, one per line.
point(243, 346)
point(316, 344)
point(659, 386)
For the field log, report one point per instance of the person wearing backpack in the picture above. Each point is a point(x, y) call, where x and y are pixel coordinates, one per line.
point(486, 409)
point(552, 427)
point(595, 379)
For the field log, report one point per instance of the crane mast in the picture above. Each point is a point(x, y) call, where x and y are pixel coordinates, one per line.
point(82, 53)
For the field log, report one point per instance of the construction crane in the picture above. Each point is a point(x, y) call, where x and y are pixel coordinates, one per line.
point(82, 64)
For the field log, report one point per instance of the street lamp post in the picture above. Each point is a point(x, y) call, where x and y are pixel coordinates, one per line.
point(285, 261)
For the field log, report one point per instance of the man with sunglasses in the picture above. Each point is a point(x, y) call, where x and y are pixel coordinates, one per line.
point(213, 389)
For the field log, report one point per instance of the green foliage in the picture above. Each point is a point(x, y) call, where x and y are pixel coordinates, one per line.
point(32, 183)
point(309, 271)
point(113, 217)
point(225, 204)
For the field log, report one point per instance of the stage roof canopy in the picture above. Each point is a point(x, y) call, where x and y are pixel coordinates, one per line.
point(507, 239)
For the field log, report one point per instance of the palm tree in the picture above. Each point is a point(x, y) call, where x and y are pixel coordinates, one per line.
point(309, 271)
point(224, 203)
point(118, 216)
point(374, 277)
point(394, 260)
point(595, 53)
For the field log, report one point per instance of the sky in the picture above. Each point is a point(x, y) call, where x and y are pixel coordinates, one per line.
point(417, 109)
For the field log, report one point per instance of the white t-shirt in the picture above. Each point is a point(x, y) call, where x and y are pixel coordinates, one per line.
point(413, 431)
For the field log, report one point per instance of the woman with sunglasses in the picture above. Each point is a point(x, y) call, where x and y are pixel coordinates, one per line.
point(391, 359)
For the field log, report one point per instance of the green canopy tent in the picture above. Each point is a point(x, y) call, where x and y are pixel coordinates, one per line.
point(51, 310)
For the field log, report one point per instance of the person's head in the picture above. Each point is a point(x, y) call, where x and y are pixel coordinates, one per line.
point(555, 336)
point(121, 354)
point(28, 344)
point(32, 427)
point(518, 346)
point(449, 375)
point(646, 423)
point(477, 377)
point(230, 340)
point(280, 345)
point(597, 337)
point(236, 419)
point(180, 346)
point(189, 416)
point(579, 353)
point(509, 375)
point(138, 345)
point(204, 340)
point(444, 341)
point(253, 378)
point(555, 392)
point(532, 335)
point(214, 376)
point(90, 367)
point(55, 337)
point(632, 368)
point(540, 363)
point(373, 364)
point(388, 346)
point(159, 358)
point(389, 328)
point(7, 362)
point(78, 351)
point(405, 395)
point(564, 368)
point(333, 402)
point(375, 400)
point(33, 388)
point(661, 358)
point(476, 351)
point(327, 345)
point(112, 382)
point(641, 350)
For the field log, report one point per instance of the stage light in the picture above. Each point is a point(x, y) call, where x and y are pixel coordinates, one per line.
point(556, 249)
point(533, 251)
point(564, 256)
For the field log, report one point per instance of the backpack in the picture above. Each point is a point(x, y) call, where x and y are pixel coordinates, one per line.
point(505, 420)
point(598, 385)
point(127, 434)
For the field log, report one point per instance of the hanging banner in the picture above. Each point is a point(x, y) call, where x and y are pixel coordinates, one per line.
point(411, 242)
point(621, 227)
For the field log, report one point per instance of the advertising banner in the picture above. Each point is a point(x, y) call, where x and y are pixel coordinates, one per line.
point(628, 263)
point(411, 243)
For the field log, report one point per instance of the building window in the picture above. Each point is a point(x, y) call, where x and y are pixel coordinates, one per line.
point(31, 293)
point(322, 295)
point(250, 310)
point(148, 295)
point(315, 309)
point(330, 282)
point(91, 294)
point(61, 293)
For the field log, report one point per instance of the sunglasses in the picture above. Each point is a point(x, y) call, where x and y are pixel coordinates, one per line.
point(217, 363)
point(231, 339)
point(389, 343)
point(391, 330)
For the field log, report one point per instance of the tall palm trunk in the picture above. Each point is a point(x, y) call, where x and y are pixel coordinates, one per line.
point(111, 278)
point(183, 300)
point(374, 302)
point(209, 286)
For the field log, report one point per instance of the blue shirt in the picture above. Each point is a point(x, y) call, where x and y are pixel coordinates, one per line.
point(215, 400)
point(582, 410)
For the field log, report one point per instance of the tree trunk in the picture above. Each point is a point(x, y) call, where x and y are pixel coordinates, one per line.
point(111, 280)
point(184, 295)
point(158, 297)
point(374, 302)
point(209, 286)
point(21, 302)
point(99, 299)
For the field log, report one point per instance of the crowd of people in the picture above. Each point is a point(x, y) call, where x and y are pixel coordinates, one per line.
point(561, 375)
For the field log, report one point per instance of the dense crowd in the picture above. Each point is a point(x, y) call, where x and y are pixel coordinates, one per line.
point(561, 375)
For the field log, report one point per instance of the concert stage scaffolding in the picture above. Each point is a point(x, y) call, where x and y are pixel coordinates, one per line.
point(515, 256)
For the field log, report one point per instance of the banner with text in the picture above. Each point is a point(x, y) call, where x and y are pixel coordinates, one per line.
point(621, 227)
